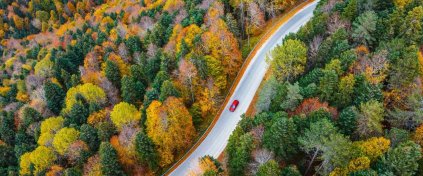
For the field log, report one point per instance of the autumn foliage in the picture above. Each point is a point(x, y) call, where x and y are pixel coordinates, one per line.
point(313, 104)
point(170, 126)
point(124, 114)
point(90, 92)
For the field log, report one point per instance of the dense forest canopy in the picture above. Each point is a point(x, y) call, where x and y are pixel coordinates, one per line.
point(115, 87)
point(343, 97)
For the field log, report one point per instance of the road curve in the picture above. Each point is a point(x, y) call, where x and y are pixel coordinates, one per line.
point(216, 140)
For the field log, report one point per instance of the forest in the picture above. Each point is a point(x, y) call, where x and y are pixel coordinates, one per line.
point(118, 87)
point(343, 97)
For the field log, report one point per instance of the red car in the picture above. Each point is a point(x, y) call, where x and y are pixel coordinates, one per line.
point(234, 105)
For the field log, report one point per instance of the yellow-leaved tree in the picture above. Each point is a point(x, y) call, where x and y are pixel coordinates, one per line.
point(25, 164)
point(374, 147)
point(52, 124)
point(221, 45)
point(64, 138)
point(44, 67)
point(173, 5)
point(42, 158)
point(45, 139)
point(186, 35)
point(289, 60)
point(124, 114)
point(360, 163)
point(401, 3)
point(49, 127)
point(170, 127)
point(90, 92)
point(418, 135)
point(207, 102)
point(207, 164)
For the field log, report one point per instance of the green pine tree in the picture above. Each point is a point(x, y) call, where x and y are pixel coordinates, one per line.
point(109, 160)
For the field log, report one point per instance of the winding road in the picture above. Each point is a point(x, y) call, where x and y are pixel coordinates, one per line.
point(217, 138)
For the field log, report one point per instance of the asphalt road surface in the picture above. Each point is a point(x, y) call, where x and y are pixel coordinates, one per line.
point(217, 139)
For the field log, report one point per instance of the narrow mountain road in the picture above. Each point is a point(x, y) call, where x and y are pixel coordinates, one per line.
point(217, 138)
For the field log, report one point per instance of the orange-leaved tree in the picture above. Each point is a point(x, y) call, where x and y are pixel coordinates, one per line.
point(313, 104)
point(418, 135)
point(169, 125)
point(220, 43)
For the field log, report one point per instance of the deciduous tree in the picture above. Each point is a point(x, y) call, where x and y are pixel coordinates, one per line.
point(25, 164)
point(288, 60)
point(360, 163)
point(44, 67)
point(125, 114)
point(256, 18)
point(401, 3)
point(170, 126)
point(52, 124)
point(42, 158)
point(90, 92)
point(374, 147)
point(188, 76)
point(370, 118)
point(64, 138)
point(345, 90)
point(220, 43)
point(418, 135)
point(209, 166)
point(313, 104)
